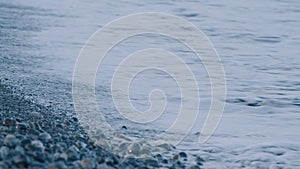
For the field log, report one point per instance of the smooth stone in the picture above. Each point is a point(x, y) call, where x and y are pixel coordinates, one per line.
point(104, 166)
point(80, 144)
point(194, 167)
point(87, 163)
point(9, 122)
point(165, 161)
point(175, 157)
point(152, 162)
point(21, 126)
point(37, 145)
point(102, 143)
point(20, 159)
point(11, 140)
point(159, 157)
point(57, 165)
point(3, 165)
point(20, 150)
point(134, 148)
point(73, 153)
point(36, 115)
point(182, 155)
point(199, 160)
point(46, 137)
point(4, 151)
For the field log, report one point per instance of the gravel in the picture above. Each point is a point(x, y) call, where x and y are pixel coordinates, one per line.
point(35, 136)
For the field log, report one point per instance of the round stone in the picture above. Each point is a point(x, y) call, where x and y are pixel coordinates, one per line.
point(21, 126)
point(182, 155)
point(11, 140)
point(37, 145)
point(9, 122)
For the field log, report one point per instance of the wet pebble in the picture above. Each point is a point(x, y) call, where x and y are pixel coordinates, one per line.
point(134, 148)
point(9, 122)
point(4, 151)
point(37, 145)
point(102, 143)
point(57, 165)
point(73, 153)
point(165, 161)
point(20, 159)
point(182, 155)
point(45, 137)
point(87, 163)
point(104, 166)
point(64, 156)
point(21, 126)
point(194, 167)
point(175, 157)
point(36, 115)
point(199, 160)
point(11, 140)
point(152, 162)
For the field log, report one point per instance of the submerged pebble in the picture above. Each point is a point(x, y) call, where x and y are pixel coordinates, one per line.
point(182, 155)
point(135, 149)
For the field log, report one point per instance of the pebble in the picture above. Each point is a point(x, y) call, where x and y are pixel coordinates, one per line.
point(182, 155)
point(45, 137)
point(20, 150)
point(102, 143)
point(175, 157)
point(4, 151)
point(152, 162)
point(87, 163)
point(37, 145)
point(194, 167)
point(199, 160)
point(104, 166)
point(135, 149)
point(9, 122)
point(36, 115)
point(64, 156)
point(20, 159)
point(21, 126)
point(57, 165)
point(11, 140)
point(73, 153)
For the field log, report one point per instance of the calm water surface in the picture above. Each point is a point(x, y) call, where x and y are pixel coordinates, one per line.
point(258, 42)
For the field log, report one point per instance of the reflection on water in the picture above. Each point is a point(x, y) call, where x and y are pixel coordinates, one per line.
point(257, 41)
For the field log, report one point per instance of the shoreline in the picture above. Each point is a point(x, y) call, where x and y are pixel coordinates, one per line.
point(36, 136)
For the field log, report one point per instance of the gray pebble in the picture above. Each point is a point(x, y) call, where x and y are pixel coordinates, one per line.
point(11, 140)
point(45, 137)
point(73, 153)
point(87, 163)
point(37, 145)
point(21, 126)
point(36, 115)
point(20, 159)
point(9, 122)
point(194, 167)
point(182, 155)
point(152, 162)
point(4, 151)
point(57, 165)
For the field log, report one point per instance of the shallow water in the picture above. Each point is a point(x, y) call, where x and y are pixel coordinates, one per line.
point(257, 41)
